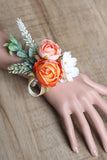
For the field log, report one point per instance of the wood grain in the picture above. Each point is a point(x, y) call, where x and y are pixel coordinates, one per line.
point(30, 128)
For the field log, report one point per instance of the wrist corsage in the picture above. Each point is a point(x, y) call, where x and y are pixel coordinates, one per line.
point(45, 64)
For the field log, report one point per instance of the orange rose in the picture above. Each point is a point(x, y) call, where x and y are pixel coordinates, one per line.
point(48, 72)
point(49, 50)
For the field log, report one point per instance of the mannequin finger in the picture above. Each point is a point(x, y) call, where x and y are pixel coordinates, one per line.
point(99, 125)
point(100, 103)
point(98, 87)
point(70, 132)
point(86, 133)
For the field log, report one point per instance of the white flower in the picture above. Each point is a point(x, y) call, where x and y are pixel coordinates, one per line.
point(68, 63)
point(25, 33)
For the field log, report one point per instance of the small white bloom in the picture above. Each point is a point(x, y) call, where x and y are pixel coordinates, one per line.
point(68, 63)
point(69, 77)
point(74, 72)
point(62, 80)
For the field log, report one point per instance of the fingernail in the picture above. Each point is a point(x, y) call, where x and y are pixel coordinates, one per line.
point(95, 153)
point(76, 150)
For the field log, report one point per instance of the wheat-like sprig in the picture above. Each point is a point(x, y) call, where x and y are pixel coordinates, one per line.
point(27, 37)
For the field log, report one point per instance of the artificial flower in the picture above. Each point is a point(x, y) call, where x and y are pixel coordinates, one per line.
point(48, 72)
point(49, 50)
point(68, 63)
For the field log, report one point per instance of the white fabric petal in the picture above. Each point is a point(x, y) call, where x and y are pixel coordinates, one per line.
point(68, 63)
point(69, 77)
point(63, 80)
point(74, 71)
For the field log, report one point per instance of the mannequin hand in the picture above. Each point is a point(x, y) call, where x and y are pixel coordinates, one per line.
point(69, 98)
point(76, 98)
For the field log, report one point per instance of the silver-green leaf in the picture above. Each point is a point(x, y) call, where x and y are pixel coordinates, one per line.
point(31, 52)
point(6, 44)
point(11, 53)
point(13, 47)
point(12, 39)
point(20, 45)
point(21, 53)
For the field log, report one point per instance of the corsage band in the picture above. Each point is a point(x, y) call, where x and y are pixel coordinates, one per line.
point(45, 64)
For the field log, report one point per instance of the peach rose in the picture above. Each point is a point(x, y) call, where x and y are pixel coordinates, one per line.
point(49, 50)
point(48, 72)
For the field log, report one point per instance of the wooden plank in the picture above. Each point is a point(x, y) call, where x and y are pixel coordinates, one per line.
point(30, 128)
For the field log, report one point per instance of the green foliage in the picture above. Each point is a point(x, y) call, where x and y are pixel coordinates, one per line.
point(31, 52)
point(20, 45)
point(12, 39)
point(21, 53)
point(47, 89)
point(13, 47)
point(60, 58)
point(16, 46)
point(6, 44)
point(11, 53)
point(25, 67)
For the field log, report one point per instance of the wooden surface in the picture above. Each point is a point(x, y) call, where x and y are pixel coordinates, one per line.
point(30, 128)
